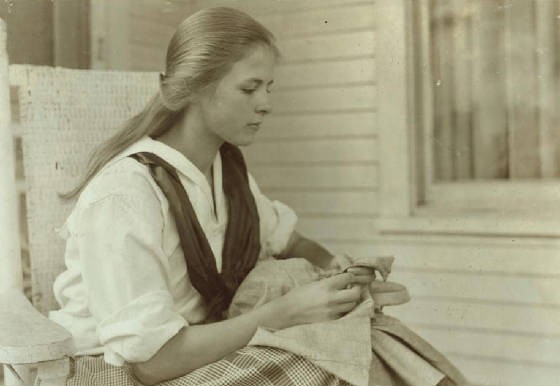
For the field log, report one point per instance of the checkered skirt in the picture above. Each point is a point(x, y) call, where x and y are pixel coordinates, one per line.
point(249, 366)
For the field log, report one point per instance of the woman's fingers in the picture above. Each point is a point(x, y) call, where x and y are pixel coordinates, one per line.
point(360, 270)
point(343, 308)
point(364, 279)
point(352, 294)
point(363, 275)
point(369, 272)
point(341, 280)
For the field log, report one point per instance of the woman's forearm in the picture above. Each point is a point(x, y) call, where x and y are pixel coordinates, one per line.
point(196, 346)
point(315, 253)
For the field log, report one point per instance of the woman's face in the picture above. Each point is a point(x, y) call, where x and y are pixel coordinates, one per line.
point(234, 110)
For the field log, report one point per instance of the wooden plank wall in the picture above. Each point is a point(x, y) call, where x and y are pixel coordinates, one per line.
point(318, 150)
point(492, 304)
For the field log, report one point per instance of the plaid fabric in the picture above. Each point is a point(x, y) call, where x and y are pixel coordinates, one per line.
point(250, 366)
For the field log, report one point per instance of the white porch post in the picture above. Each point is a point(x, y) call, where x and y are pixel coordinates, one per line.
point(396, 188)
point(10, 254)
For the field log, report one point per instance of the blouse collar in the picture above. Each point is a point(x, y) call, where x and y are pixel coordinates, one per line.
point(181, 163)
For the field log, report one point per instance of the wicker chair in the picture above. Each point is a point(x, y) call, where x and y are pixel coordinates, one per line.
point(63, 113)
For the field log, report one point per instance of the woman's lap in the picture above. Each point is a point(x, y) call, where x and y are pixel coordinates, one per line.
point(264, 366)
point(249, 366)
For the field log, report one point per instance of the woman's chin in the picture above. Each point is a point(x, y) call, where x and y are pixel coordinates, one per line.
point(244, 140)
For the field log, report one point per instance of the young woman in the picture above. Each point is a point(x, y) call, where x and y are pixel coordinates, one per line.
point(169, 221)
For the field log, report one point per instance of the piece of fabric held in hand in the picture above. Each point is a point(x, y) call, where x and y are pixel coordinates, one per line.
point(242, 238)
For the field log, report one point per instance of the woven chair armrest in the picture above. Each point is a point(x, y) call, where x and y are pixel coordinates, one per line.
point(26, 335)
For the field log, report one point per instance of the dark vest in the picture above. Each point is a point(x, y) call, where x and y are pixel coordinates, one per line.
point(242, 239)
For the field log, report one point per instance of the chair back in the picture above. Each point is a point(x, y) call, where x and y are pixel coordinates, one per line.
point(64, 114)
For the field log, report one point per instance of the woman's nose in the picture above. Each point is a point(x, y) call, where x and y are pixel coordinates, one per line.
point(263, 103)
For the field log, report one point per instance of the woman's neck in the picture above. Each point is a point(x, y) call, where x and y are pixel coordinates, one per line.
point(194, 142)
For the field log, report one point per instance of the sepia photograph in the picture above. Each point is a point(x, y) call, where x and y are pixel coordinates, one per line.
point(280, 192)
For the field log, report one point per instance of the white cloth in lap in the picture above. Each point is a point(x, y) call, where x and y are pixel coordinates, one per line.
point(362, 348)
point(126, 289)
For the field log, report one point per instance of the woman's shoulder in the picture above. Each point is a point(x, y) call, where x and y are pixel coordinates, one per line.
point(125, 178)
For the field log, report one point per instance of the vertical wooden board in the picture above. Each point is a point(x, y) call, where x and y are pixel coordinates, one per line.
point(442, 57)
point(147, 58)
point(490, 136)
point(548, 59)
point(110, 35)
point(71, 34)
point(30, 31)
point(521, 87)
point(151, 33)
point(462, 81)
point(425, 96)
point(393, 90)
point(10, 257)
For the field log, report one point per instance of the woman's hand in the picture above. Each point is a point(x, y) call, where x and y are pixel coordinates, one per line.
point(323, 300)
point(370, 265)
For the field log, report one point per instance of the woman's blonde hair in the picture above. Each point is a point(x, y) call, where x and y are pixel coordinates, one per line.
point(201, 51)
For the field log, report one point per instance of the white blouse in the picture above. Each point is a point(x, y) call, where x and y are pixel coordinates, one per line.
point(126, 290)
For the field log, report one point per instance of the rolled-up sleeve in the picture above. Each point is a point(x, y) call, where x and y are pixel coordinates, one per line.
point(277, 220)
point(124, 269)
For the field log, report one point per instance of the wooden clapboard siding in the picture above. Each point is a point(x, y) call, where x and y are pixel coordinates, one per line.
point(485, 316)
point(318, 150)
point(481, 301)
point(332, 20)
point(329, 203)
point(342, 46)
point(350, 228)
point(532, 348)
point(471, 256)
point(510, 373)
point(523, 291)
point(318, 126)
point(315, 177)
point(321, 74)
point(332, 150)
point(339, 98)
point(309, 38)
point(290, 7)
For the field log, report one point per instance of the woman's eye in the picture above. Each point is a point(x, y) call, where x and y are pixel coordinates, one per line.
point(248, 90)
